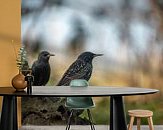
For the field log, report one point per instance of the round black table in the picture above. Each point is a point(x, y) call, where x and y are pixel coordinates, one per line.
point(117, 114)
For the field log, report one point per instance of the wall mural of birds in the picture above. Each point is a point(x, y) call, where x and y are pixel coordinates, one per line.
point(41, 72)
point(80, 69)
point(41, 69)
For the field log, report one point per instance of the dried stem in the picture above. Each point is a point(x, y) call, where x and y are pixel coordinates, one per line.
point(14, 49)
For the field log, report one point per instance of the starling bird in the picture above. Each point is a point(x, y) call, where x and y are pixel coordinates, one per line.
point(41, 69)
point(80, 69)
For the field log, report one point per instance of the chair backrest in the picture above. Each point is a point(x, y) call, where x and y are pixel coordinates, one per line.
point(79, 102)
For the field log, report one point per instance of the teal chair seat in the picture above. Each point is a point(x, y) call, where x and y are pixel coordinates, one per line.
point(75, 103)
point(79, 102)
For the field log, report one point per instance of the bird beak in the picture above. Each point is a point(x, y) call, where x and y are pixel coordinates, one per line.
point(98, 55)
point(51, 55)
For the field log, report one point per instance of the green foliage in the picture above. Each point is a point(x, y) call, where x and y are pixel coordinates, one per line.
point(101, 112)
point(21, 59)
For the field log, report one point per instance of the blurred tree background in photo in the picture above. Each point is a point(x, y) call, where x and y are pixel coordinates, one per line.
point(128, 33)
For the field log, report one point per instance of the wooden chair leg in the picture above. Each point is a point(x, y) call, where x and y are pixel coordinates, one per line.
point(150, 122)
point(131, 123)
point(138, 123)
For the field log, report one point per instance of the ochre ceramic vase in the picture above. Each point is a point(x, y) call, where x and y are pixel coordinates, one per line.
point(18, 82)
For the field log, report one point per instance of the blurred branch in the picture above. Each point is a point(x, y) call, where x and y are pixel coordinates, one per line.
point(26, 9)
point(157, 7)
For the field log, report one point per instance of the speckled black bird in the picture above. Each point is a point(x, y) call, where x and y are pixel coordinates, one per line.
point(80, 69)
point(41, 69)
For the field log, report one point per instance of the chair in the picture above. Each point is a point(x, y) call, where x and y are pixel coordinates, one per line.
point(139, 114)
point(79, 103)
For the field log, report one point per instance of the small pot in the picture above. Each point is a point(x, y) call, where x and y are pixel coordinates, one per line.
point(18, 82)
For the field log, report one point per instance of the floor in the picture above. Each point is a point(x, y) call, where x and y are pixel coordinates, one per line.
point(79, 127)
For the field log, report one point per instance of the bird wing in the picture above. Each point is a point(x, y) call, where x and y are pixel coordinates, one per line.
point(78, 70)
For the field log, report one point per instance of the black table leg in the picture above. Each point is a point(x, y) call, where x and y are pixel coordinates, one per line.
point(117, 114)
point(9, 114)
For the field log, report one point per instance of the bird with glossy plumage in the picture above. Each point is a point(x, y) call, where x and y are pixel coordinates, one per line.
point(80, 69)
point(41, 69)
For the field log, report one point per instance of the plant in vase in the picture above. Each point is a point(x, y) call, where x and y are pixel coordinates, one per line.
point(22, 62)
point(18, 81)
